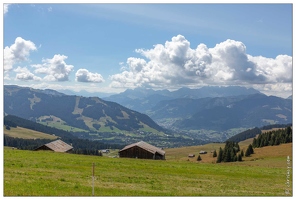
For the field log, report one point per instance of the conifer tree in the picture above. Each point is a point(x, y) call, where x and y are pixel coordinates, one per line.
point(228, 156)
point(214, 154)
point(235, 158)
point(251, 149)
point(254, 143)
point(277, 141)
point(242, 153)
point(239, 158)
point(248, 152)
point(220, 154)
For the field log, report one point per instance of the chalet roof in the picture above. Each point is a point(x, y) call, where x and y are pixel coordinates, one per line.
point(59, 146)
point(146, 146)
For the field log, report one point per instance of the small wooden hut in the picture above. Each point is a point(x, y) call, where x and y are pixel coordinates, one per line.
point(57, 146)
point(142, 150)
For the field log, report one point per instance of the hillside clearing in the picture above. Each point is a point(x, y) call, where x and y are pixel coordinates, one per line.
point(25, 133)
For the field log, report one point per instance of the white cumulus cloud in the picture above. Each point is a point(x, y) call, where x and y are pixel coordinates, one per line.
point(83, 75)
point(176, 64)
point(17, 52)
point(24, 74)
point(55, 69)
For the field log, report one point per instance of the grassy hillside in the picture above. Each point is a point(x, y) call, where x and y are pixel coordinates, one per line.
point(41, 173)
point(25, 133)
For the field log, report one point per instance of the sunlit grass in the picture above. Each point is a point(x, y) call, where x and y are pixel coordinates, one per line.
point(42, 173)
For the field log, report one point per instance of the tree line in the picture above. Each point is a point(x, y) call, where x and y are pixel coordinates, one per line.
point(32, 144)
point(250, 133)
point(272, 138)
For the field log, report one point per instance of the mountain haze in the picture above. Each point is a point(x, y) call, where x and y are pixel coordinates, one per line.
point(143, 100)
point(223, 113)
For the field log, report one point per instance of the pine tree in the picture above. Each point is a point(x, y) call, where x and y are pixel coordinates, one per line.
point(254, 142)
point(228, 156)
point(237, 147)
point(277, 141)
point(248, 153)
point(214, 154)
point(242, 153)
point(235, 158)
point(239, 158)
point(220, 154)
point(251, 149)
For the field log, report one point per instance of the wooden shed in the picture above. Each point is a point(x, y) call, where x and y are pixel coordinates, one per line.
point(191, 155)
point(202, 152)
point(57, 146)
point(142, 150)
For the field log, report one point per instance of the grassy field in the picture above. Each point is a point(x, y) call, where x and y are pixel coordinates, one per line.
point(43, 173)
point(24, 133)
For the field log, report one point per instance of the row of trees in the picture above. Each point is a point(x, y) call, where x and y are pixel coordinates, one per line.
point(31, 144)
point(272, 138)
point(25, 144)
point(232, 152)
point(229, 153)
point(94, 152)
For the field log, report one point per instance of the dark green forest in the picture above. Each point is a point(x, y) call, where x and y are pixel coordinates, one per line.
point(250, 133)
point(272, 138)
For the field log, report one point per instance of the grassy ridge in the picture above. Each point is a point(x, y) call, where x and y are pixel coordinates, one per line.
point(31, 173)
point(25, 133)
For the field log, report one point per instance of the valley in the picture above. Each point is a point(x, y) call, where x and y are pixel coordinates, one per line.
point(184, 117)
point(46, 173)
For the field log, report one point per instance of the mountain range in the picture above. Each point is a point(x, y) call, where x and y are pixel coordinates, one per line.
point(209, 108)
point(83, 113)
point(208, 113)
point(142, 99)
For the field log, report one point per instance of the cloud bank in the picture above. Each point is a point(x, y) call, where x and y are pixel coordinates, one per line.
point(176, 64)
point(171, 65)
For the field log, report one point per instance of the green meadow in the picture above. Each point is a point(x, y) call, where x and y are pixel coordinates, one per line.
point(45, 173)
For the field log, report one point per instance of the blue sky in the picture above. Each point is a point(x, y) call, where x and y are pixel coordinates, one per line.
point(112, 47)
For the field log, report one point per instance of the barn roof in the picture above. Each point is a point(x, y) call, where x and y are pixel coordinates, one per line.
point(146, 146)
point(59, 146)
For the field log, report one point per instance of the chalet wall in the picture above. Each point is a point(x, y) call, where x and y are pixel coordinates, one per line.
point(43, 147)
point(136, 152)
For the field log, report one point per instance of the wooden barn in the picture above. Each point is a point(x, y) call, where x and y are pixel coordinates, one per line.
point(57, 146)
point(142, 150)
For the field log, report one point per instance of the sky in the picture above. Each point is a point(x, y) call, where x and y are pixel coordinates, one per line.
point(100, 47)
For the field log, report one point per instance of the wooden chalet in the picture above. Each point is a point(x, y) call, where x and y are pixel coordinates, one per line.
point(142, 150)
point(57, 146)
